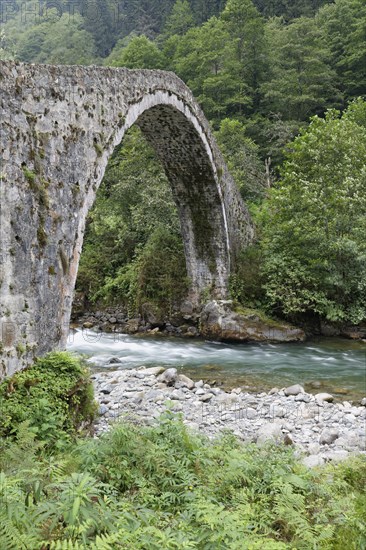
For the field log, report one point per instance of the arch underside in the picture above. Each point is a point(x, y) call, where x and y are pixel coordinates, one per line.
point(195, 188)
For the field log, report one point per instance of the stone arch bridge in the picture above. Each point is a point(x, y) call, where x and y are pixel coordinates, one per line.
point(58, 127)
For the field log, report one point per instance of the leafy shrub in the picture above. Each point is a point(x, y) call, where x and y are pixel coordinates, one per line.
point(162, 487)
point(55, 396)
point(313, 223)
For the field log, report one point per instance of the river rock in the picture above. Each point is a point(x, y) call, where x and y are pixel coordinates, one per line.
point(327, 397)
point(219, 321)
point(103, 409)
point(114, 361)
point(206, 397)
point(139, 393)
point(271, 431)
point(169, 377)
point(153, 371)
point(363, 402)
point(294, 390)
point(187, 382)
point(303, 398)
point(336, 456)
point(132, 326)
point(327, 437)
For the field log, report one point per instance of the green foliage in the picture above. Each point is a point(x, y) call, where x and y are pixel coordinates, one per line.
point(164, 487)
point(243, 161)
point(301, 81)
point(54, 396)
point(139, 53)
point(7, 50)
point(133, 251)
point(156, 276)
point(344, 23)
point(180, 19)
point(314, 222)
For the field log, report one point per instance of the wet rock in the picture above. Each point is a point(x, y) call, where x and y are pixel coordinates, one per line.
point(191, 331)
point(294, 390)
point(340, 391)
point(114, 361)
point(220, 321)
point(132, 326)
point(363, 402)
point(315, 384)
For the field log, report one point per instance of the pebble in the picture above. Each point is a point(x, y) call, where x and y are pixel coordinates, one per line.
point(321, 429)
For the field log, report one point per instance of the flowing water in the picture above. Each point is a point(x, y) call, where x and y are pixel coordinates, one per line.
point(323, 364)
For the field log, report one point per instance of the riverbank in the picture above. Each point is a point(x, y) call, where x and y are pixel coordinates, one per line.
point(320, 429)
point(187, 323)
point(220, 320)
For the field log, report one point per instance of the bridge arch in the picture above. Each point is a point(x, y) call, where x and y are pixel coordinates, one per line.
point(185, 153)
point(59, 127)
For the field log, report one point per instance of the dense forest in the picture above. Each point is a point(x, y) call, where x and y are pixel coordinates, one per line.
point(282, 84)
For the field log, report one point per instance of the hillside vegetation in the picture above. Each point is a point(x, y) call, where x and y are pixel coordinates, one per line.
point(261, 71)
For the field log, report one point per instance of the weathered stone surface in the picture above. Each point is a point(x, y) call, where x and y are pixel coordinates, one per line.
point(327, 437)
point(169, 377)
point(326, 397)
point(296, 389)
point(59, 126)
point(187, 382)
point(218, 321)
point(270, 432)
point(153, 371)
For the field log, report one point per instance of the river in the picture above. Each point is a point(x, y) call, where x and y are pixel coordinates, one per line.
point(324, 364)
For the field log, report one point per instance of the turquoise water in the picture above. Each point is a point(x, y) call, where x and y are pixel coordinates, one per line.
point(324, 364)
